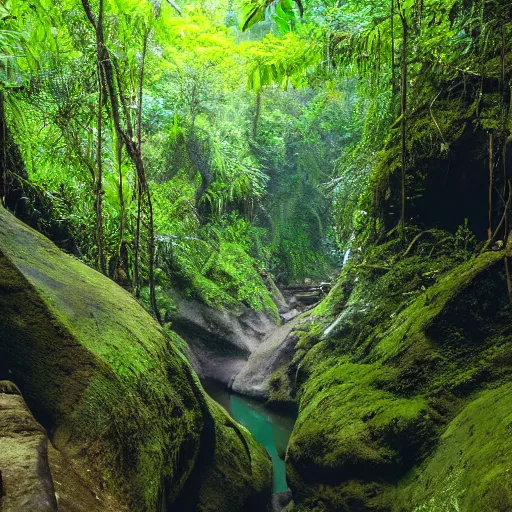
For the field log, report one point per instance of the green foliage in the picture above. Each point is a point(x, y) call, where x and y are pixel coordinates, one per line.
point(452, 50)
point(283, 12)
point(269, 151)
point(282, 61)
point(205, 168)
point(298, 135)
point(465, 239)
point(222, 275)
point(166, 305)
point(311, 164)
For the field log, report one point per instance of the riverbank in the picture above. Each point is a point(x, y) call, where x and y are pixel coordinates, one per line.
point(270, 427)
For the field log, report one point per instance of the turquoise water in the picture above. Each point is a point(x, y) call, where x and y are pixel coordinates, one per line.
point(270, 428)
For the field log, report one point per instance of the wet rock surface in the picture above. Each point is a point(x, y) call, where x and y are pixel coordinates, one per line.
point(252, 380)
point(220, 342)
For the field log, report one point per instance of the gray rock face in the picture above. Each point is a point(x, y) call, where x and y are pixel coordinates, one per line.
point(239, 350)
point(278, 297)
point(26, 481)
point(280, 500)
point(272, 351)
point(220, 342)
point(290, 315)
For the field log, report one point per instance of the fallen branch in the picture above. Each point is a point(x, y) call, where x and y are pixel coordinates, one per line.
point(415, 239)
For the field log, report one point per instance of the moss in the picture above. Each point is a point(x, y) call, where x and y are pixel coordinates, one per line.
point(281, 389)
point(9, 388)
point(347, 497)
point(99, 373)
point(470, 468)
point(448, 133)
point(418, 317)
point(349, 426)
point(228, 279)
point(86, 357)
point(408, 343)
point(236, 453)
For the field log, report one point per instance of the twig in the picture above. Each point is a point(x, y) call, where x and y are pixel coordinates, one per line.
point(434, 119)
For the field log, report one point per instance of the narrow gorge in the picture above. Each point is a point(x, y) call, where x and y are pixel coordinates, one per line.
point(255, 256)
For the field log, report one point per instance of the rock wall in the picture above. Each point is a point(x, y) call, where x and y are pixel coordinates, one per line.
point(25, 479)
point(403, 386)
point(272, 353)
point(220, 341)
point(110, 387)
point(245, 350)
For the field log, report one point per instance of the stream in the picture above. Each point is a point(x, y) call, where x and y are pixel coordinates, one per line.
point(270, 428)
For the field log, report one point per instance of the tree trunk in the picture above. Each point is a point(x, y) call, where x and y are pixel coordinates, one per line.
point(12, 169)
point(152, 253)
point(118, 148)
point(393, 68)
point(99, 167)
point(506, 187)
point(3, 141)
point(404, 121)
point(509, 278)
point(133, 149)
point(256, 117)
point(136, 263)
point(142, 171)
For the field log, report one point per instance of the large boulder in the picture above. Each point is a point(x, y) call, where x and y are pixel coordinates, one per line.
point(470, 467)
point(112, 389)
point(403, 386)
point(274, 351)
point(25, 478)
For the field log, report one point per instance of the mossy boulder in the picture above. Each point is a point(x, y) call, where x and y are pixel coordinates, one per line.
point(110, 386)
point(236, 453)
point(393, 378)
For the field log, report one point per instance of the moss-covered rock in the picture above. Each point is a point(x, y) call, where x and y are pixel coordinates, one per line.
point(393, 378)
point(236, 452)
point(470, 468)
point(109, 385)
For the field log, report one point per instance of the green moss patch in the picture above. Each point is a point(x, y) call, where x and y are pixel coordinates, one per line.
point(471, 468)
point(236, 453)
point(349, 426)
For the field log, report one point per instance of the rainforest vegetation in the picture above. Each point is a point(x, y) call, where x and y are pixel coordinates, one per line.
point(310, 199)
